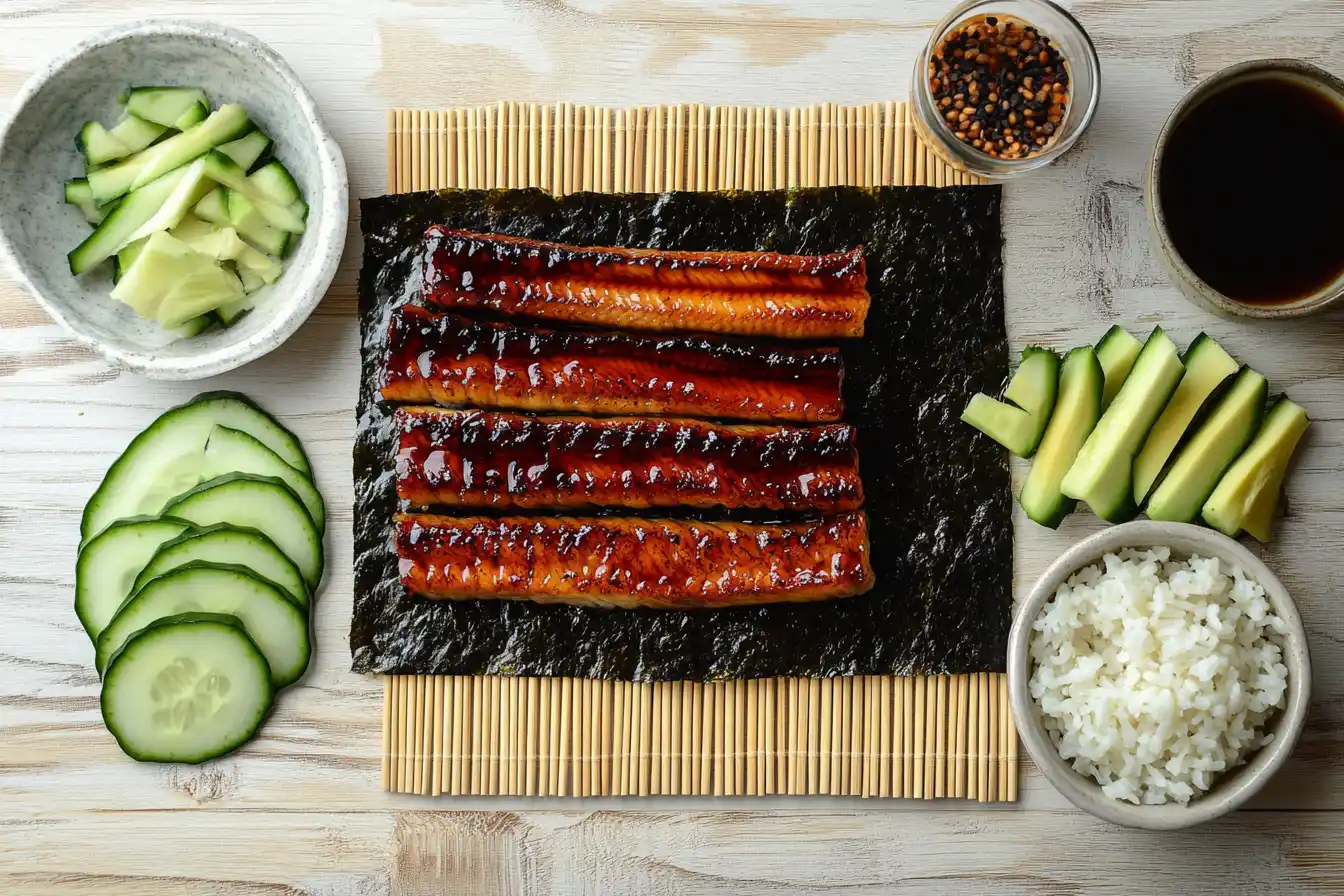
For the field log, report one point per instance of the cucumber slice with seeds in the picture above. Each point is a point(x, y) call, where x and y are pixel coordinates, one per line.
point(171, 107)
point(247, 548)
point(261, 503)
point(162, 461)
point(186, 688)
point(277, 626)
point(105, 573)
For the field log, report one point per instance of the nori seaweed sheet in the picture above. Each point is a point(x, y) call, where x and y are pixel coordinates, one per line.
point(938, 494)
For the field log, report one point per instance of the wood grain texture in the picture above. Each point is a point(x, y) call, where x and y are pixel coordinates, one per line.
point(1078, 259)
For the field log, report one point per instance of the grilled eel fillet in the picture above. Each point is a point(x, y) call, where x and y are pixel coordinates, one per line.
point(749, 293)
point(452, 360)
point(633, 563)
point(489, 459)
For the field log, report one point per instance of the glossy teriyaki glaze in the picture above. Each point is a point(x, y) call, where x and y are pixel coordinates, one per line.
point(452, 360)
point(485, 459)
point(633, 563)
point(748, 293)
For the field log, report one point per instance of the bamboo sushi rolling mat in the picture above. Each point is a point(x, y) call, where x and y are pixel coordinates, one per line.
point(922, 737)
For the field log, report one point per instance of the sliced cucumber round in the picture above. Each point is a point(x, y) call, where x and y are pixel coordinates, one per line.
point(106, 569)
point(236, 547)
point(233, 451)
point(257, 502)
point(186, 688)
point(272, 620)
point(164, 460)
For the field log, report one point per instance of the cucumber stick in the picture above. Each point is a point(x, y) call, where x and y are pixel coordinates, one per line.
point(242, 214)
point(247, 149)
point(272, 620)
point(116, 230)
point(223, 125)
point(163, 460)
point(1248, 494)
point(106, 570)
point(222, 170)
point(172, 107)
point(78, 194)
point(1217, 442)
point(100, 145)
point(186, 688)
point(1117, 352)
point(1076, 411)
point(1207, 368)
point(1103, 473)
point(1019, 425)
point(1011, 427)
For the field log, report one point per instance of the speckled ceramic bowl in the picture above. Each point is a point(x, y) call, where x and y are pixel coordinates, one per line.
point(1229, 791)
point(37, 154)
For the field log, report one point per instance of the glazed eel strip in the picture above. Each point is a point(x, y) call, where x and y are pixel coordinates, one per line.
point(630, 563)
point(748, 293)
point(490, 459)
point(451, 360)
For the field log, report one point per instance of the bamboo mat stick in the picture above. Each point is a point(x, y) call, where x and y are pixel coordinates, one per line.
point(871, 736)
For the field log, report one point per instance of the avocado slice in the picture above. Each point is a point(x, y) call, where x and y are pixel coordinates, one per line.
point(1248, 494)
point(1207, 368)
point(1211, 450)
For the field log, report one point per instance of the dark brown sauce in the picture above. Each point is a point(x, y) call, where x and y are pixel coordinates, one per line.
point(1250, 190)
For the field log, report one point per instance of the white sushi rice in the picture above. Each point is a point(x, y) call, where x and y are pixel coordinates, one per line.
point(1154, 676)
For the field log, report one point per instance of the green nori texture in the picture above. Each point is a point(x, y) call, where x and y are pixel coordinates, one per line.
point(938, 495)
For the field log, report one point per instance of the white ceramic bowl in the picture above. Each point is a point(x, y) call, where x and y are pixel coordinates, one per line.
point(37, 154)
point(1229, 791)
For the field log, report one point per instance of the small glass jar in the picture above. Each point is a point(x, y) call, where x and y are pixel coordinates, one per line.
point(1081, 63)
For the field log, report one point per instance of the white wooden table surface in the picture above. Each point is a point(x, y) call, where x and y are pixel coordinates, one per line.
point(301, 811)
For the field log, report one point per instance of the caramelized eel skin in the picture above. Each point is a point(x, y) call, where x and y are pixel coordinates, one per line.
point(633, 563)
point(488, 459)
point(747, 293)
point(451, 360)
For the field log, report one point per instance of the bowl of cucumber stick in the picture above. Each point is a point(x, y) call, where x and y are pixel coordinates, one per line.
point(171, 197)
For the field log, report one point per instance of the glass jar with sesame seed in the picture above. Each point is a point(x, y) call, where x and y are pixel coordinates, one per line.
point(1005, 86)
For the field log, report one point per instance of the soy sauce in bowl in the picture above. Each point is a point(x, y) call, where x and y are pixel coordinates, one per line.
point(1249, 192)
